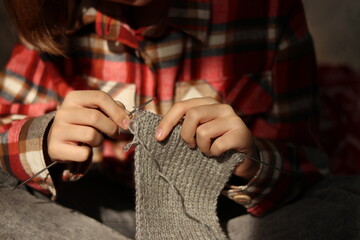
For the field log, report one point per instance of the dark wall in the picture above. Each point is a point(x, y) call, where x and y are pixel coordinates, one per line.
point(335, 26)
point(7, 36)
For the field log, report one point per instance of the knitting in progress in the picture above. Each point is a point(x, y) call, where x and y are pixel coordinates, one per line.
point(176, 187)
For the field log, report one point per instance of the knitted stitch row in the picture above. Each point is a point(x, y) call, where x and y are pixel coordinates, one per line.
point(176, 187)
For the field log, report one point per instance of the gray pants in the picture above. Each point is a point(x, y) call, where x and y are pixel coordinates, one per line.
point(90, 208)
point(331, 210)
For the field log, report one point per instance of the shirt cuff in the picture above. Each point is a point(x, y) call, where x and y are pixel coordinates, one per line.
point(256, 190)
point(32, 158)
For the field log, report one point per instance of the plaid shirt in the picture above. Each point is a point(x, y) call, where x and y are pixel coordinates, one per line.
point(256, 56)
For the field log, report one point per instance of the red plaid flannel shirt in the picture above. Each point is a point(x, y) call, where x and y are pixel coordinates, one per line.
point(256, 56)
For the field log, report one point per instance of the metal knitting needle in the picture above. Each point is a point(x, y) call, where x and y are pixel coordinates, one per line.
point(35, 175)
point(269, 165)
point(54, 163)
point(140, 106)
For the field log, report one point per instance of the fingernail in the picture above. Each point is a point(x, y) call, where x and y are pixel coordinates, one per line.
point(158, 133)
point(126, 123)
point(191, 146)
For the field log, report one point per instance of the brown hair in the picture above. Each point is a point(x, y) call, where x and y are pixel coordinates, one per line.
point(42, 23)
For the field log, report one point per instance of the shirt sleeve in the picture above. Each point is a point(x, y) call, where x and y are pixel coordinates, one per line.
point(22, 151)
point(286, 135)
point(28, 101)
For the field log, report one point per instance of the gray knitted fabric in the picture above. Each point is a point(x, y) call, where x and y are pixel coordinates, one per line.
point(176, 187)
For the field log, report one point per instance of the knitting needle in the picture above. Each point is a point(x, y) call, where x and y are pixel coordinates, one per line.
point(55, 162)
point(35, 175)
point(140, 106)
point(269, 165)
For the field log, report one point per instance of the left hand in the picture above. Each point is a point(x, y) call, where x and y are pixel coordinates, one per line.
point(214, 127)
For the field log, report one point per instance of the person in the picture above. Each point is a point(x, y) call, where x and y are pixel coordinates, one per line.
point(241, 75)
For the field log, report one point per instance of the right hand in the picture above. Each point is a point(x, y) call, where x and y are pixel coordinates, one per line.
point(79, 123)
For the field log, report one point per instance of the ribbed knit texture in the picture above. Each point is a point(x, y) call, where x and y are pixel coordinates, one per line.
point(176, 187)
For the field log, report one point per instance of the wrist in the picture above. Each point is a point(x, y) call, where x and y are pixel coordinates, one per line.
point(47, 158)
point(248, 168)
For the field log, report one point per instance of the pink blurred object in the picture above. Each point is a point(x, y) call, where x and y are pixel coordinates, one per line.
point(340, 117)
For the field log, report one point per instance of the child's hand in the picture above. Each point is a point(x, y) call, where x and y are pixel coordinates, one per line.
point(214, 128)
point(80, 122)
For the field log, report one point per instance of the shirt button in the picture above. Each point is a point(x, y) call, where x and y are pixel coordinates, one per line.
point(242, 199)
point(137, 53)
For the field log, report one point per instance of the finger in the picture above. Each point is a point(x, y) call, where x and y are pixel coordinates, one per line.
point(199, 115)
point(206, 132)
point(70, 152)
point(237, 139)
point(213, 132)
point(88, 117)
point(120, 104)
point(98, 100)
point(175, 114)
point(81, 134)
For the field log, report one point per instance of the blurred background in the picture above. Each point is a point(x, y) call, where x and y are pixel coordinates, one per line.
point(335, 27)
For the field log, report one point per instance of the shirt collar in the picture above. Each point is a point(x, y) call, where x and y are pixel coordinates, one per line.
point(189, 16)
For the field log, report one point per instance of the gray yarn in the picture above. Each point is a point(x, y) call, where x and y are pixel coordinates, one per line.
point(176, 187)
